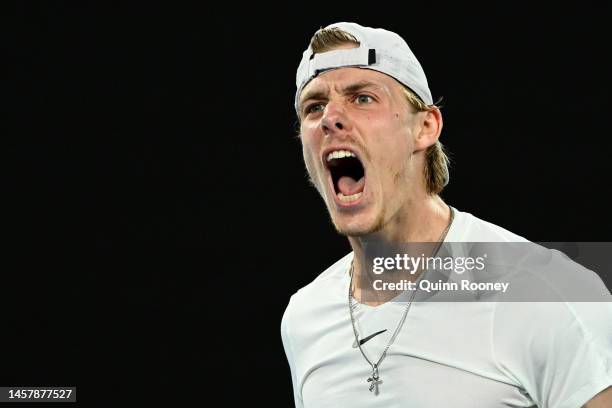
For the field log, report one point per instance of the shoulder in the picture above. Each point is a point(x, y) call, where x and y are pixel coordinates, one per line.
point(315, 306)
point(326, 287)
point(469, 228)
point(558, 344)
point(560, 352)
point(330, 277)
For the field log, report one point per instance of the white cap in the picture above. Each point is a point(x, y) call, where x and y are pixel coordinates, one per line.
point(379, 50)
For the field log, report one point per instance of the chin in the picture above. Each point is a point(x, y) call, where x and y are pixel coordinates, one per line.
point(357, 228)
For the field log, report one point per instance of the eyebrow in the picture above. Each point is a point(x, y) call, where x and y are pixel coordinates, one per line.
point(347, 90)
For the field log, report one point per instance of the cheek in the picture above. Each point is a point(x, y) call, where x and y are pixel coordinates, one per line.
point(310, 143)
point(393, 158)
point(308, 152)
point(308, 158)
point(396, 148)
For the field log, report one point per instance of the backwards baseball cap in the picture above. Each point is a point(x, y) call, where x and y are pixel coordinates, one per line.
point(379, 50)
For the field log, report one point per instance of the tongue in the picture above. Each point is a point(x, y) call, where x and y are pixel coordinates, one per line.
point(349, 186)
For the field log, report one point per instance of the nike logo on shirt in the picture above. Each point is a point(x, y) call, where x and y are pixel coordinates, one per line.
point(362, 341)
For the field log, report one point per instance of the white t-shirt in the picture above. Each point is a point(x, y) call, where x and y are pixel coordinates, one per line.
point(459, 354)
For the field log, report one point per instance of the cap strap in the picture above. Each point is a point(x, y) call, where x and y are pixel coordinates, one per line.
point(341, 58)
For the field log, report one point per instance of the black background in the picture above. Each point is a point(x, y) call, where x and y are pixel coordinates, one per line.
point(157, 213)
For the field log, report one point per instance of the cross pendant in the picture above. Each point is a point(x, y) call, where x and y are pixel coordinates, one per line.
point(374, 380)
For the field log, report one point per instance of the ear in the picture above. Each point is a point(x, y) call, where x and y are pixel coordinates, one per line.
point(430, 129)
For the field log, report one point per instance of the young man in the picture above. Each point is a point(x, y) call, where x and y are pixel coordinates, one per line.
point(369, 130)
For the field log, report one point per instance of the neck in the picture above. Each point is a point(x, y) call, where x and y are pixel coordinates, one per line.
point(418, 221)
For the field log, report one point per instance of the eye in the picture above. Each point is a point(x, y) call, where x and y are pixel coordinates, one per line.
point(363, 98)
point(314, 107)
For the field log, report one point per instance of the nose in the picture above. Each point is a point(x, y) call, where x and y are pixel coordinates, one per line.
point(334, 119)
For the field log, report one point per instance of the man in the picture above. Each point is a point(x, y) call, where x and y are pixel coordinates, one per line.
point(369, 130)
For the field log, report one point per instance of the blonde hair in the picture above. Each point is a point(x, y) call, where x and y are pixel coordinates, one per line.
point(436, 159)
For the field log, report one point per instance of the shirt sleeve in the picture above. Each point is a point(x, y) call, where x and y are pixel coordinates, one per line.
point(559, 352)
point(286, 337)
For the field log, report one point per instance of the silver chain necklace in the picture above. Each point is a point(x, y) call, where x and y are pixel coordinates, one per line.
point(375, 380)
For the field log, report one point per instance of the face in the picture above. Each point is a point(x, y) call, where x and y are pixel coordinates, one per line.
point(360, 140)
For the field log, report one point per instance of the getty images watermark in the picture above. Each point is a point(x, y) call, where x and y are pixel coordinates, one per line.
point(412, 265)
point(492, 271)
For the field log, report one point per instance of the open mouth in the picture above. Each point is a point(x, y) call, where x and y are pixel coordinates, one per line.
point(347, 174)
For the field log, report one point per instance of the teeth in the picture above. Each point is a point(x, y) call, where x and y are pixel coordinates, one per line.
point(339, 154)
point(348, 199)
